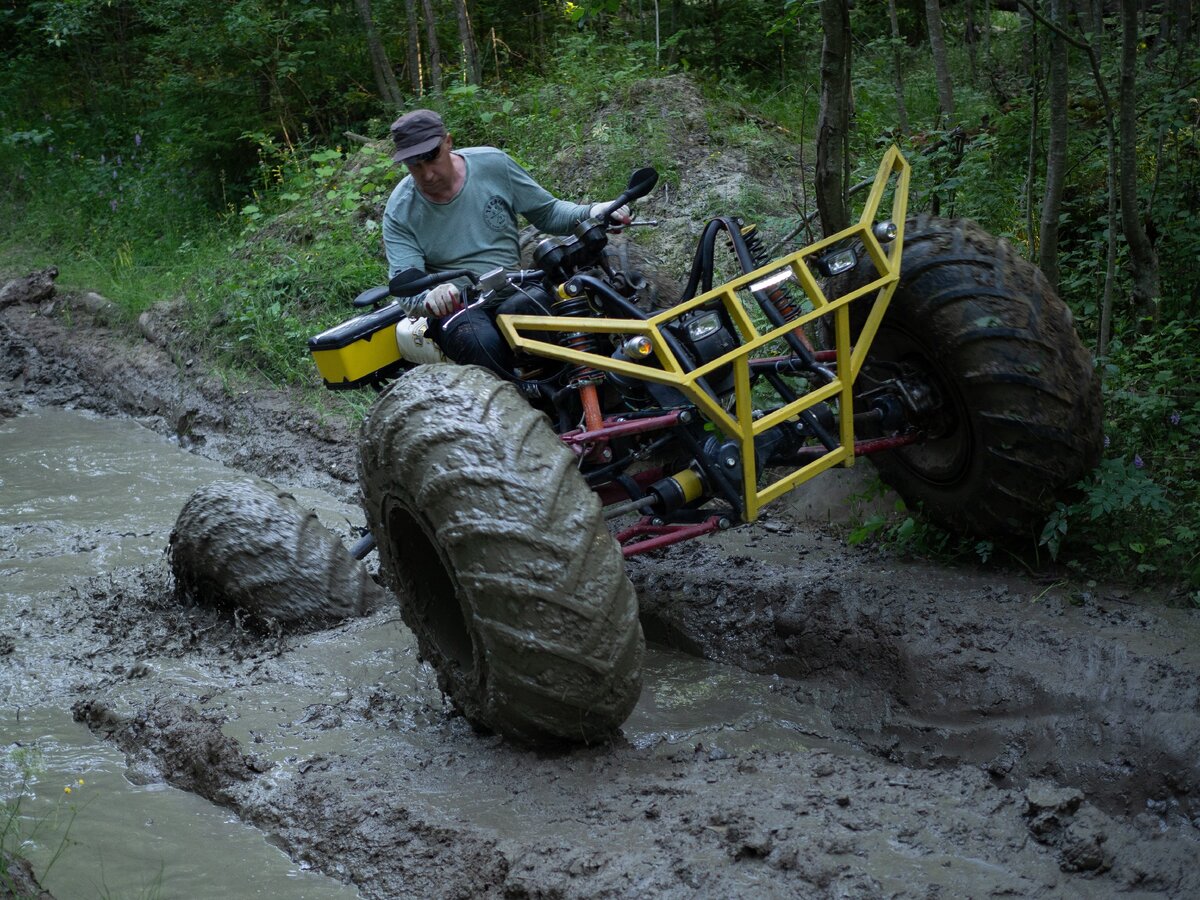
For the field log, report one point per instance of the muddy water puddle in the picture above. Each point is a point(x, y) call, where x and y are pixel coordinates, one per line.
point(79, 496)
point(83, 496)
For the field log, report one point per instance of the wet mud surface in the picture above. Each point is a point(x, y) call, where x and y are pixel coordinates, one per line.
point(828, 723)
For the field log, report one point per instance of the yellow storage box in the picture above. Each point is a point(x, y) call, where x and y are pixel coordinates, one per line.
point(359, 351)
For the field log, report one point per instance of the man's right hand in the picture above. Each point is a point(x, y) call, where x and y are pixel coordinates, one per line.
point(443, 300)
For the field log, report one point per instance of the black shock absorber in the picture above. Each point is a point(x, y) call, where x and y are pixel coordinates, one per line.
point(780, 297)
point(572, 301)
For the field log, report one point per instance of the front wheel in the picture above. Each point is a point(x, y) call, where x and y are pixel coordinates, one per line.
point(501, 559)
point(979, 331)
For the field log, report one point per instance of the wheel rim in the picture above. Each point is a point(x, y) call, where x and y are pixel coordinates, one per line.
point(430, 584)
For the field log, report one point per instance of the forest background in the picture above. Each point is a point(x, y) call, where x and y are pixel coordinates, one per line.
point(230, 154)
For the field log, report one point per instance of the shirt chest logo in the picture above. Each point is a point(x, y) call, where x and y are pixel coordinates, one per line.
point(496, 215)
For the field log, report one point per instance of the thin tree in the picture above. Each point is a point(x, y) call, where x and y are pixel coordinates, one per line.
point(898, 65)
point(467, 39)
point(414, 48)
point(941, 64)
point(1092, 48)
point(971, 33)
point(385, 78)
point(1056, 145)
point(1144, 260)
point(435, 49)
point(833, 121)
point(1035, 97)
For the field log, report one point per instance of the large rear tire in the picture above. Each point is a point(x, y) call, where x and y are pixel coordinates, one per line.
point(501, 559)
point(1021, 416)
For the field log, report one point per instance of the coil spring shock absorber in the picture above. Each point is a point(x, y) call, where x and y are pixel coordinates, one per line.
point(780, 296)
point(571, 301)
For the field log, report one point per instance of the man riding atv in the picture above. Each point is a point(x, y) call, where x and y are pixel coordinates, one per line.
point(457, 209)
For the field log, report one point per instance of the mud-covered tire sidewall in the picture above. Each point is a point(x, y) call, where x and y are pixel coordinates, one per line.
point(502, 562)
point(252, 550)
point(1020, 389)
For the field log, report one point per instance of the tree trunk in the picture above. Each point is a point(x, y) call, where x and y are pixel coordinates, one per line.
point(897, 62)
point(1035, 89)
point(414, 48)
point(467, 39)
point(971, 34)
point(385, 78)
point(833, 121)
point(987, 33)
point(1056, 149)
point(435, 49)
point(1142, 256)
point(941, 64)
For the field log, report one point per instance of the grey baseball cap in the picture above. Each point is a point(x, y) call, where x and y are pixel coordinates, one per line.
point(417, 132)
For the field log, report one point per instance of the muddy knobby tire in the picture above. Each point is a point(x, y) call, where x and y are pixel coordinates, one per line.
point(255, 551)
point(1000, 345)
point(501, 559)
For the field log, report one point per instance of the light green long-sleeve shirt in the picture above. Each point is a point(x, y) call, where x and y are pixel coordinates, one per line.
point(477, 230)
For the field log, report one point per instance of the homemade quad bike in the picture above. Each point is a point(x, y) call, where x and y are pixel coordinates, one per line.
point(927, 344)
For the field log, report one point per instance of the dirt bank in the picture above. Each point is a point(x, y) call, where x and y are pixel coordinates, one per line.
point(903, 730)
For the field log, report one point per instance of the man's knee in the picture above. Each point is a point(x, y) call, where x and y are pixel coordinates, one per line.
point(471, 338)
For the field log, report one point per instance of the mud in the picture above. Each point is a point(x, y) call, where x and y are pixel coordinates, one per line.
point(863, 726)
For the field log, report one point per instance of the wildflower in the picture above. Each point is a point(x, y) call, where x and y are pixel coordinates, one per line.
point(118, 159)
point(114, 173)
point(113, 205)
point(1106, 442)
point(67, 789)
point(137, 140)
point(1174, 418)
point(1137, 461)
point(102, 160)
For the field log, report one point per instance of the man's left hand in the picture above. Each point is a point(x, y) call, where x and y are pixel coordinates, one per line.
point(620, 215)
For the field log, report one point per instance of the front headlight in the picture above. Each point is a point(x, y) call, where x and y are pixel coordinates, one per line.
point(703, 326)
point(837, 261)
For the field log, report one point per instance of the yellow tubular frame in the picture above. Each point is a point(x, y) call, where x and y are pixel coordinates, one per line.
point(741, 426)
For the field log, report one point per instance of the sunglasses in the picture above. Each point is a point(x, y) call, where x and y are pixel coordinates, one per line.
point(428, 156)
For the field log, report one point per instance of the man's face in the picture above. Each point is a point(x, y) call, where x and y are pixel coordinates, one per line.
point(434, 177)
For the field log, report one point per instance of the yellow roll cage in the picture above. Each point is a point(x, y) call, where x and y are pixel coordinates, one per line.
point(739, 424)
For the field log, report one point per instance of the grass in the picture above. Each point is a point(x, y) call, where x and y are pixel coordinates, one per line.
point(19, 833)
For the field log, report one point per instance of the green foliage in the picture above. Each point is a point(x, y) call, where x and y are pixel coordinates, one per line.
point(1139, 512)
point(308, 244)
point(902, 531)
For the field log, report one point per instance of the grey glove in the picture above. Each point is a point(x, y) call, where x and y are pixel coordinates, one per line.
point(620, 215)
point(443, 300)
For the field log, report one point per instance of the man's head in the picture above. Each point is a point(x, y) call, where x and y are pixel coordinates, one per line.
point(424, 146)
point(417, 133)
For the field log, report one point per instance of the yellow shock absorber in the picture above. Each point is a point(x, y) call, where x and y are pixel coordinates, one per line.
point(677, 490)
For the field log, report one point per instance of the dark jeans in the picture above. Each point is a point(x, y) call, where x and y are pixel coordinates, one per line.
point(471, 336)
